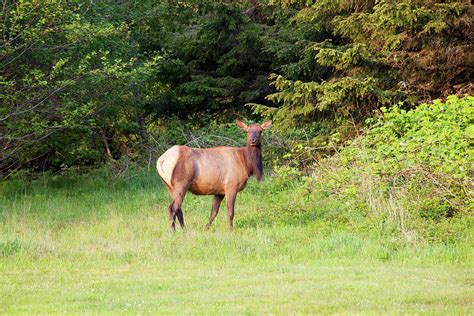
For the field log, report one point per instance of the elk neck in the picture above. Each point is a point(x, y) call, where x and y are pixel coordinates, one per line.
point(253, 160)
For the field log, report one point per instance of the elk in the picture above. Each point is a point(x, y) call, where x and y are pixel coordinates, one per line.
point(218, 171)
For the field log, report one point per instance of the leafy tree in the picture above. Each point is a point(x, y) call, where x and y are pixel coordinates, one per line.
point(85, 82)
point(70, 83)
point(374, 53)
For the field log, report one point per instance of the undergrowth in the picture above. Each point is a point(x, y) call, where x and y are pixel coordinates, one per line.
point(410, 173)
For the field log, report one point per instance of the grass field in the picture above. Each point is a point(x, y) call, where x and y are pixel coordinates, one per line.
point(76, 244)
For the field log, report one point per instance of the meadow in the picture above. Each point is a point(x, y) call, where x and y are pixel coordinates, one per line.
point(366, 207)
point(93, 243)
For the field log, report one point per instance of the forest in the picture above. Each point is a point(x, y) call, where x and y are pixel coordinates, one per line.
point(368, 162)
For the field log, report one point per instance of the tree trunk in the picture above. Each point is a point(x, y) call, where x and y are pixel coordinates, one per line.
point(141, 127)
point(107, 152)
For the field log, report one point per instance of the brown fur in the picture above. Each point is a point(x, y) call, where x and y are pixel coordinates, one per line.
point(219, 171)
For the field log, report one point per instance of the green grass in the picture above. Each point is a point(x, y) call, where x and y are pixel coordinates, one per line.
point(95, 244)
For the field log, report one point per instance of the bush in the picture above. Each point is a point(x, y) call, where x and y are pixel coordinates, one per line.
point(434, 137)
point(411, 170)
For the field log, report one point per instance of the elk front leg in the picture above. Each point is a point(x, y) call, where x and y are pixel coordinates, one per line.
point(215, 208)
point(230, 196)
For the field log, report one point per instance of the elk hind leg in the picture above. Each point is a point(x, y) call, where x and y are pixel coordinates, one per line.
point(180, 216)
point(175, 207)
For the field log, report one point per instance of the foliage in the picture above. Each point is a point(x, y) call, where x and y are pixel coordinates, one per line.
point(410, 171)
point(70, 81)
point(369, 54)
point(436, 136)
point(84, 82)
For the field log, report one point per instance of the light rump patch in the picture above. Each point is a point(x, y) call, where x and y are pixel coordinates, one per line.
point(166, 164)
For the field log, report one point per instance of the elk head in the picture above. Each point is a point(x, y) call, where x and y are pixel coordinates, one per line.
point(254, 132)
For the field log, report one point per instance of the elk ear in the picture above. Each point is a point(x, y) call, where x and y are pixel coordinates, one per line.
point(266, 125)
point(241, 125)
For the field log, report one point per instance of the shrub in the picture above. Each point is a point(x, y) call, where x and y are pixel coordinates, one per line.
point(411, 170)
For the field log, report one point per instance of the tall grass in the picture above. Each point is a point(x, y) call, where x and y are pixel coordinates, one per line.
point(79, 243)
